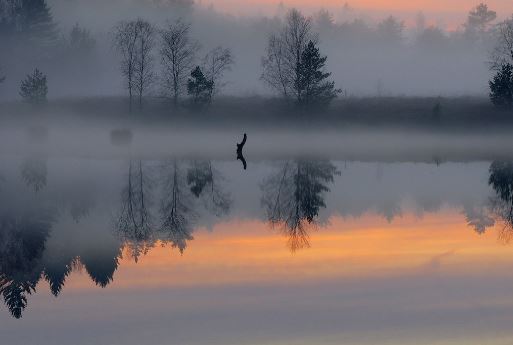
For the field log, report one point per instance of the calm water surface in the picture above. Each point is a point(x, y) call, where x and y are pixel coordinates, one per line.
point(298, 251)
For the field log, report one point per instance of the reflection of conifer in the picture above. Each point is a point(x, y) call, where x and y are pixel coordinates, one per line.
point(56, 273)
point(15, 294)
point(501, 180)
point(22, 243)
point(101, 265)
point(294, 196)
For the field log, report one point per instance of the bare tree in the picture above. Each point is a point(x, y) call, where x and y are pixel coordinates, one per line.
point(275, 73)
point(125, 41)
point(135, 41)
point(282, 66)
point(218, 61)
point(503, 52)
point(145, 44)
point(178, 53)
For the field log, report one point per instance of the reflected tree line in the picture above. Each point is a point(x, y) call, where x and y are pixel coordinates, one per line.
point(158, 204)
point(167, 214)
point(161, 203)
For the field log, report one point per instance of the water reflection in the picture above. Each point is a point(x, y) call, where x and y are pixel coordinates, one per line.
point(294, 195)
point(34, 172)
point(141, 204)
point(22, 243)
point(501, 205)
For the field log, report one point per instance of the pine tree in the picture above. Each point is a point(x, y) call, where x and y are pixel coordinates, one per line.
point(315, 87)
point(34, 88)
point(35, 23)
point(501, 87)
point(199, 87)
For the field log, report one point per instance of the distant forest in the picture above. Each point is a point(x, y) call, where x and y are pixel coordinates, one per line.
point(191, 55)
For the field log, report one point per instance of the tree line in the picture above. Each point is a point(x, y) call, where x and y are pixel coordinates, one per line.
point(169, 59)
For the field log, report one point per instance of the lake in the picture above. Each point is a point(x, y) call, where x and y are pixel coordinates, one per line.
point(118, 246)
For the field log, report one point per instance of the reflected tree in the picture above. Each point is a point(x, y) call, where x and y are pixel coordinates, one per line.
point(204, 181)
point(22, 243)
point(57, 270)
point(101, 264)
point(501, 180)
point(34, 173)
point(177, 212)
point(294, 196)
point(478, 217)
point(134, 224)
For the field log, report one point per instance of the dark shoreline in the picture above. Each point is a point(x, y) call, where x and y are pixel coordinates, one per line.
point(432, 114)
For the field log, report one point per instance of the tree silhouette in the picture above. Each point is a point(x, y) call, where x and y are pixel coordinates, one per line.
point(102, 264)
point(57, 270)
point(503, 51)
point(176, 209)
point(134, 224)
point(134, 40)
point(80, 41)
point(501, 87)
point(204, 180)
point(145, 44)
point(199, 88)
point(317, 90)
point(34, 173)
point(218, 61)
point(501, 180)
point(30, 23)
point(294, 196)
point(390, 31)
point(34, 88)
point(479, 19)
point(22, 243)
point(178, 53)
point(282, 65)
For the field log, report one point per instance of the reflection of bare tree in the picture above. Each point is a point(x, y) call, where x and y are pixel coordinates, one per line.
point(294, 196)
point(34, 172)
point(134, 222)
point(478, 217)
point(204, 181)
point(176, 208)
point(501, 180)
point(22, 242)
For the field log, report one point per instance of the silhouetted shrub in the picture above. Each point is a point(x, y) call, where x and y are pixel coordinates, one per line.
point(34, 88)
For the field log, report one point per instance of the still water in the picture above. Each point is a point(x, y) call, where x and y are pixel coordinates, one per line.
point(297, 251)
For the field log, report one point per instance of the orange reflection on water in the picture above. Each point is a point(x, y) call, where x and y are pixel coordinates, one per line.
point(241, 252)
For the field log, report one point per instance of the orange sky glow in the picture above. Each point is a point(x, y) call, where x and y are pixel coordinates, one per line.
point(441, 12)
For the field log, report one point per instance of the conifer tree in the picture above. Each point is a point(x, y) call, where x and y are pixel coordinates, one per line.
point(199, 87)
point(34, 88)
point(501, 86)
point(315, 87)
point(36, 23)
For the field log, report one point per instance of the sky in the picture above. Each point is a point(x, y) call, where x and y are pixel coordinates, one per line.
point(391, 5)
point(449, 13)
